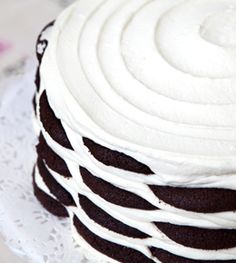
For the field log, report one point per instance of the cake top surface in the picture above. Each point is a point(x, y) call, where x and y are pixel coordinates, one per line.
point(151, 77)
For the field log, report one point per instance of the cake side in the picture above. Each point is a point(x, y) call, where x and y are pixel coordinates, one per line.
point(128, 204)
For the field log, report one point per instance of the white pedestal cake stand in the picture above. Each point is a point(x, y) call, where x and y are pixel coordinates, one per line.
point(28, 230)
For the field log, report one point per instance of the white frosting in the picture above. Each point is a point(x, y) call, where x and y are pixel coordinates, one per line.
point(155, 80)
point(131, 217)
point(167, 214)
point(90, 252)
point(219, 28)
point(189, 119)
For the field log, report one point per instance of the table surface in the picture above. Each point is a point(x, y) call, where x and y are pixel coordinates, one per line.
point(17, 43)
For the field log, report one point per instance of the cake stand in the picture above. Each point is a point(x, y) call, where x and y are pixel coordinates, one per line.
point(27, 228)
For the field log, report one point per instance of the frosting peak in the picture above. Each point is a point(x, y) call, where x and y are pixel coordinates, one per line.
point(219, 28)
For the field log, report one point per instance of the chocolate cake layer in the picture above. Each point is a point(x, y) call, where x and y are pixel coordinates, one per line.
point(120, 253)
point(37, 79)
point(201, 200)
point(34, 105)
point(51, 123)
point(55, 188)
point(114, 158)
point(208, 239)
point(40, 56)
point(114, 194)
point(107, 221)
point(43, 42)
point(53, 161)
point(166, 257)
point(50, 204)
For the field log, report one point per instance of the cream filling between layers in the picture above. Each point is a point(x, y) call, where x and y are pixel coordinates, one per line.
point(168, 213)
point(158, 239)
point(100, 257)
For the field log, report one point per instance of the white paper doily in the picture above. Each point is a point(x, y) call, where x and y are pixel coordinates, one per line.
point(29, 230)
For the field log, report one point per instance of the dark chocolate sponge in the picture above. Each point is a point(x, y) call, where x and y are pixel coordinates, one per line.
point(200, 238)
point(40, 56)
point(114, 158)
point(34, 105)
point(53, 161)
point(42, 42)
point(55, 188)
point(51, 123)
point(112, 250)
point(166, 257)
point(114, 194)
point(50, 204)
point(37, 79)
point(201, 200)
point(107, 221)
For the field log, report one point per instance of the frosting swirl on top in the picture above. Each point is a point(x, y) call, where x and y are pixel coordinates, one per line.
point(153, 79)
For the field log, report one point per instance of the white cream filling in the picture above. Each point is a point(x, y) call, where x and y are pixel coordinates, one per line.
point(158, 239)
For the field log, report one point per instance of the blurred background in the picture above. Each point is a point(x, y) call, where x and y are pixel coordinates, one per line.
point(20, 24)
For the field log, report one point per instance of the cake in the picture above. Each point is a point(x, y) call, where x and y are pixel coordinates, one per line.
point(135, 108)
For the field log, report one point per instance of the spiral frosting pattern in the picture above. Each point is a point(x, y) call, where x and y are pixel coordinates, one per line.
point(135, 104)
point(125, 59)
